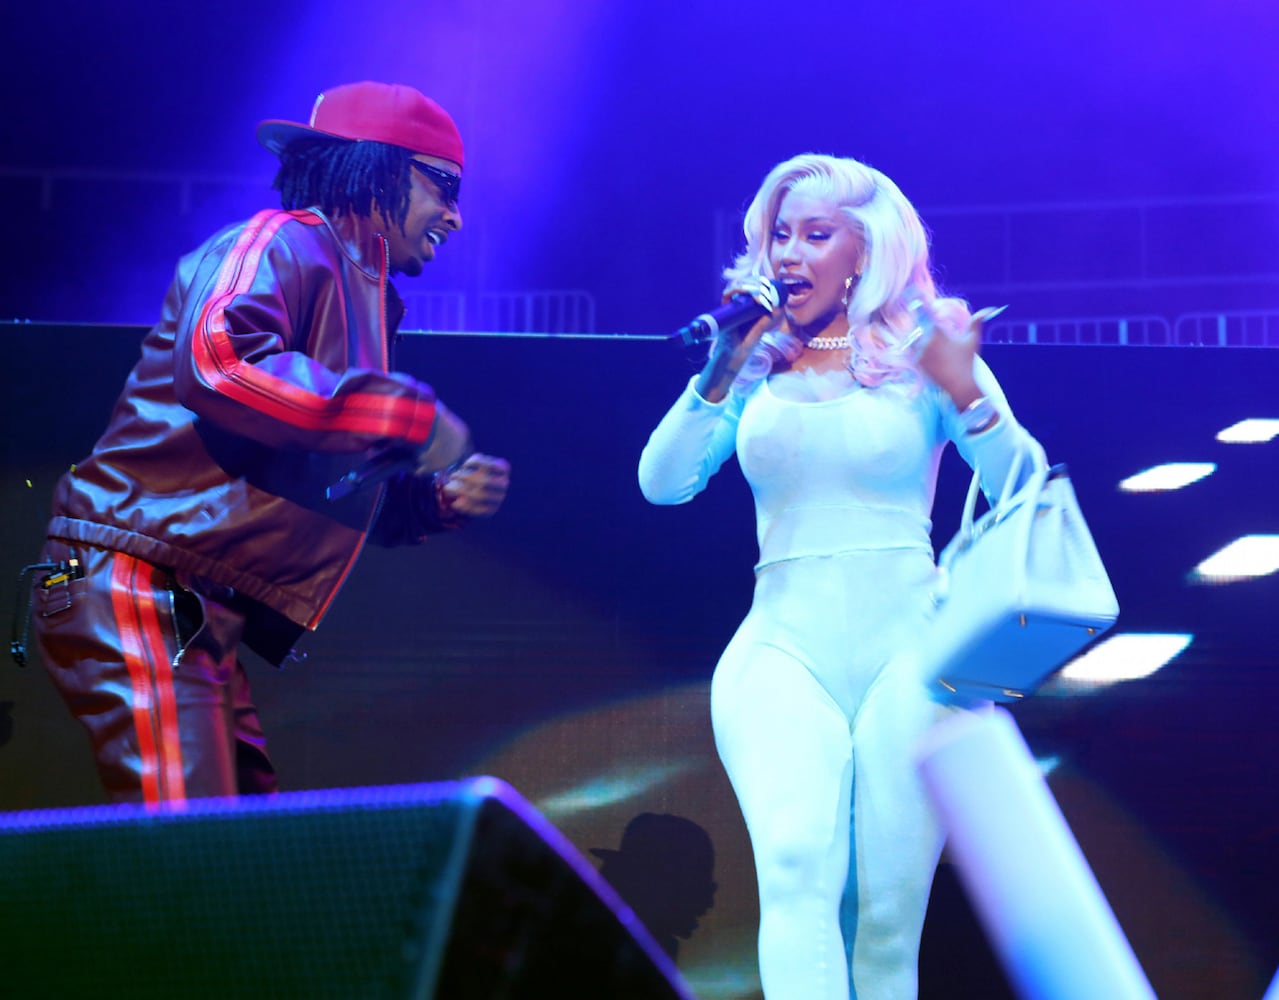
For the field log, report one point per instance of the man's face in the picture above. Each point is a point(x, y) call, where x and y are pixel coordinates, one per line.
point(427, 223)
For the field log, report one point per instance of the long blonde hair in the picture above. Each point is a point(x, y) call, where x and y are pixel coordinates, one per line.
point(895, 266)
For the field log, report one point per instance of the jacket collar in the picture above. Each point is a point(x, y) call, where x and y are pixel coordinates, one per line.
point(361, 241)
point(364, 246)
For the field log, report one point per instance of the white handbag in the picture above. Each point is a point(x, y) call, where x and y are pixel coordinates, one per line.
point(1020, 592)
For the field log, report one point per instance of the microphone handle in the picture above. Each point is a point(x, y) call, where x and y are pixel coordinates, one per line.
point(375, 470)
point(738, 310)
point(741, 308)
point(702, 329)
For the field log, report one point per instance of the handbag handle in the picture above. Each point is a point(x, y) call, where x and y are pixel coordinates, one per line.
point(1041, 475)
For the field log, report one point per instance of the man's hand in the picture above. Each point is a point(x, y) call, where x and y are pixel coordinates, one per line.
point(476, 488)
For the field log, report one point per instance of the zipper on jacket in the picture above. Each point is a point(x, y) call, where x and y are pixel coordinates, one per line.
point(381, 494)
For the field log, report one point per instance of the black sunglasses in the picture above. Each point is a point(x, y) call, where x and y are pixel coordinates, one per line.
point(449, 184)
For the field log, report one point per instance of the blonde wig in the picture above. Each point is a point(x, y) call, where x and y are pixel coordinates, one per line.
point(895, 264)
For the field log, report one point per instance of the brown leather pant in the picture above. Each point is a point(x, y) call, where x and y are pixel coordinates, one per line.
point(149, 665)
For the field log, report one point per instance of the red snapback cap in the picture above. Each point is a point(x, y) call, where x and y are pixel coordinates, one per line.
point(380, 112)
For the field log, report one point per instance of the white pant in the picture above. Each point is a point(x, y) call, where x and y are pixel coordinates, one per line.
point(816, 726)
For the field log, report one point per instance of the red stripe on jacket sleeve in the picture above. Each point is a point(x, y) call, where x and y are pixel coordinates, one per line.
point(376, 415)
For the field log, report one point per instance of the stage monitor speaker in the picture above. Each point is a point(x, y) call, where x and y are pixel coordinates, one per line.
point(458, 890)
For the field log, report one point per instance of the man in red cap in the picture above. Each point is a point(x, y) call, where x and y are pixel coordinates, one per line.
point(259, 442)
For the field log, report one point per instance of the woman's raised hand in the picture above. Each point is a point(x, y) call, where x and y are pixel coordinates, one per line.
point(944, 342)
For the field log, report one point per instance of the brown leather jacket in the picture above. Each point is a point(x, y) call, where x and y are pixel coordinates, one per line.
point(266, 381)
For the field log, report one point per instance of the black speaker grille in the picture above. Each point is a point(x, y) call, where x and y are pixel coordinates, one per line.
point(316, 894)
point(453, 891)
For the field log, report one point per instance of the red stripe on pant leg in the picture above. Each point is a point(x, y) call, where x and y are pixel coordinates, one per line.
point(149, 593)
point(134, 586)
point(133, 649)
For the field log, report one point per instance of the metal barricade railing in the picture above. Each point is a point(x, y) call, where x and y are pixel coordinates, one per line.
point(445, 311)
point(1091, 331)
point(552, 313)
point(1244, 328)
point(567, 311)
point(546, 311)
point(1228, 328)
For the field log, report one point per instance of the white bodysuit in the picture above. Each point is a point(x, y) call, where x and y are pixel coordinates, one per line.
point(814, 725)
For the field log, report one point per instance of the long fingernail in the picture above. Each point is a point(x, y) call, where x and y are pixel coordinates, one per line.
point(916, 336)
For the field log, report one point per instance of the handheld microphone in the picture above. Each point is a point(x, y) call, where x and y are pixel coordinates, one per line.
point(380, 467)
point(385, 464)
point(741, 308)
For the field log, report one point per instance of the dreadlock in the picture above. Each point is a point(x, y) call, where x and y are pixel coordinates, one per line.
point(343, 177)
